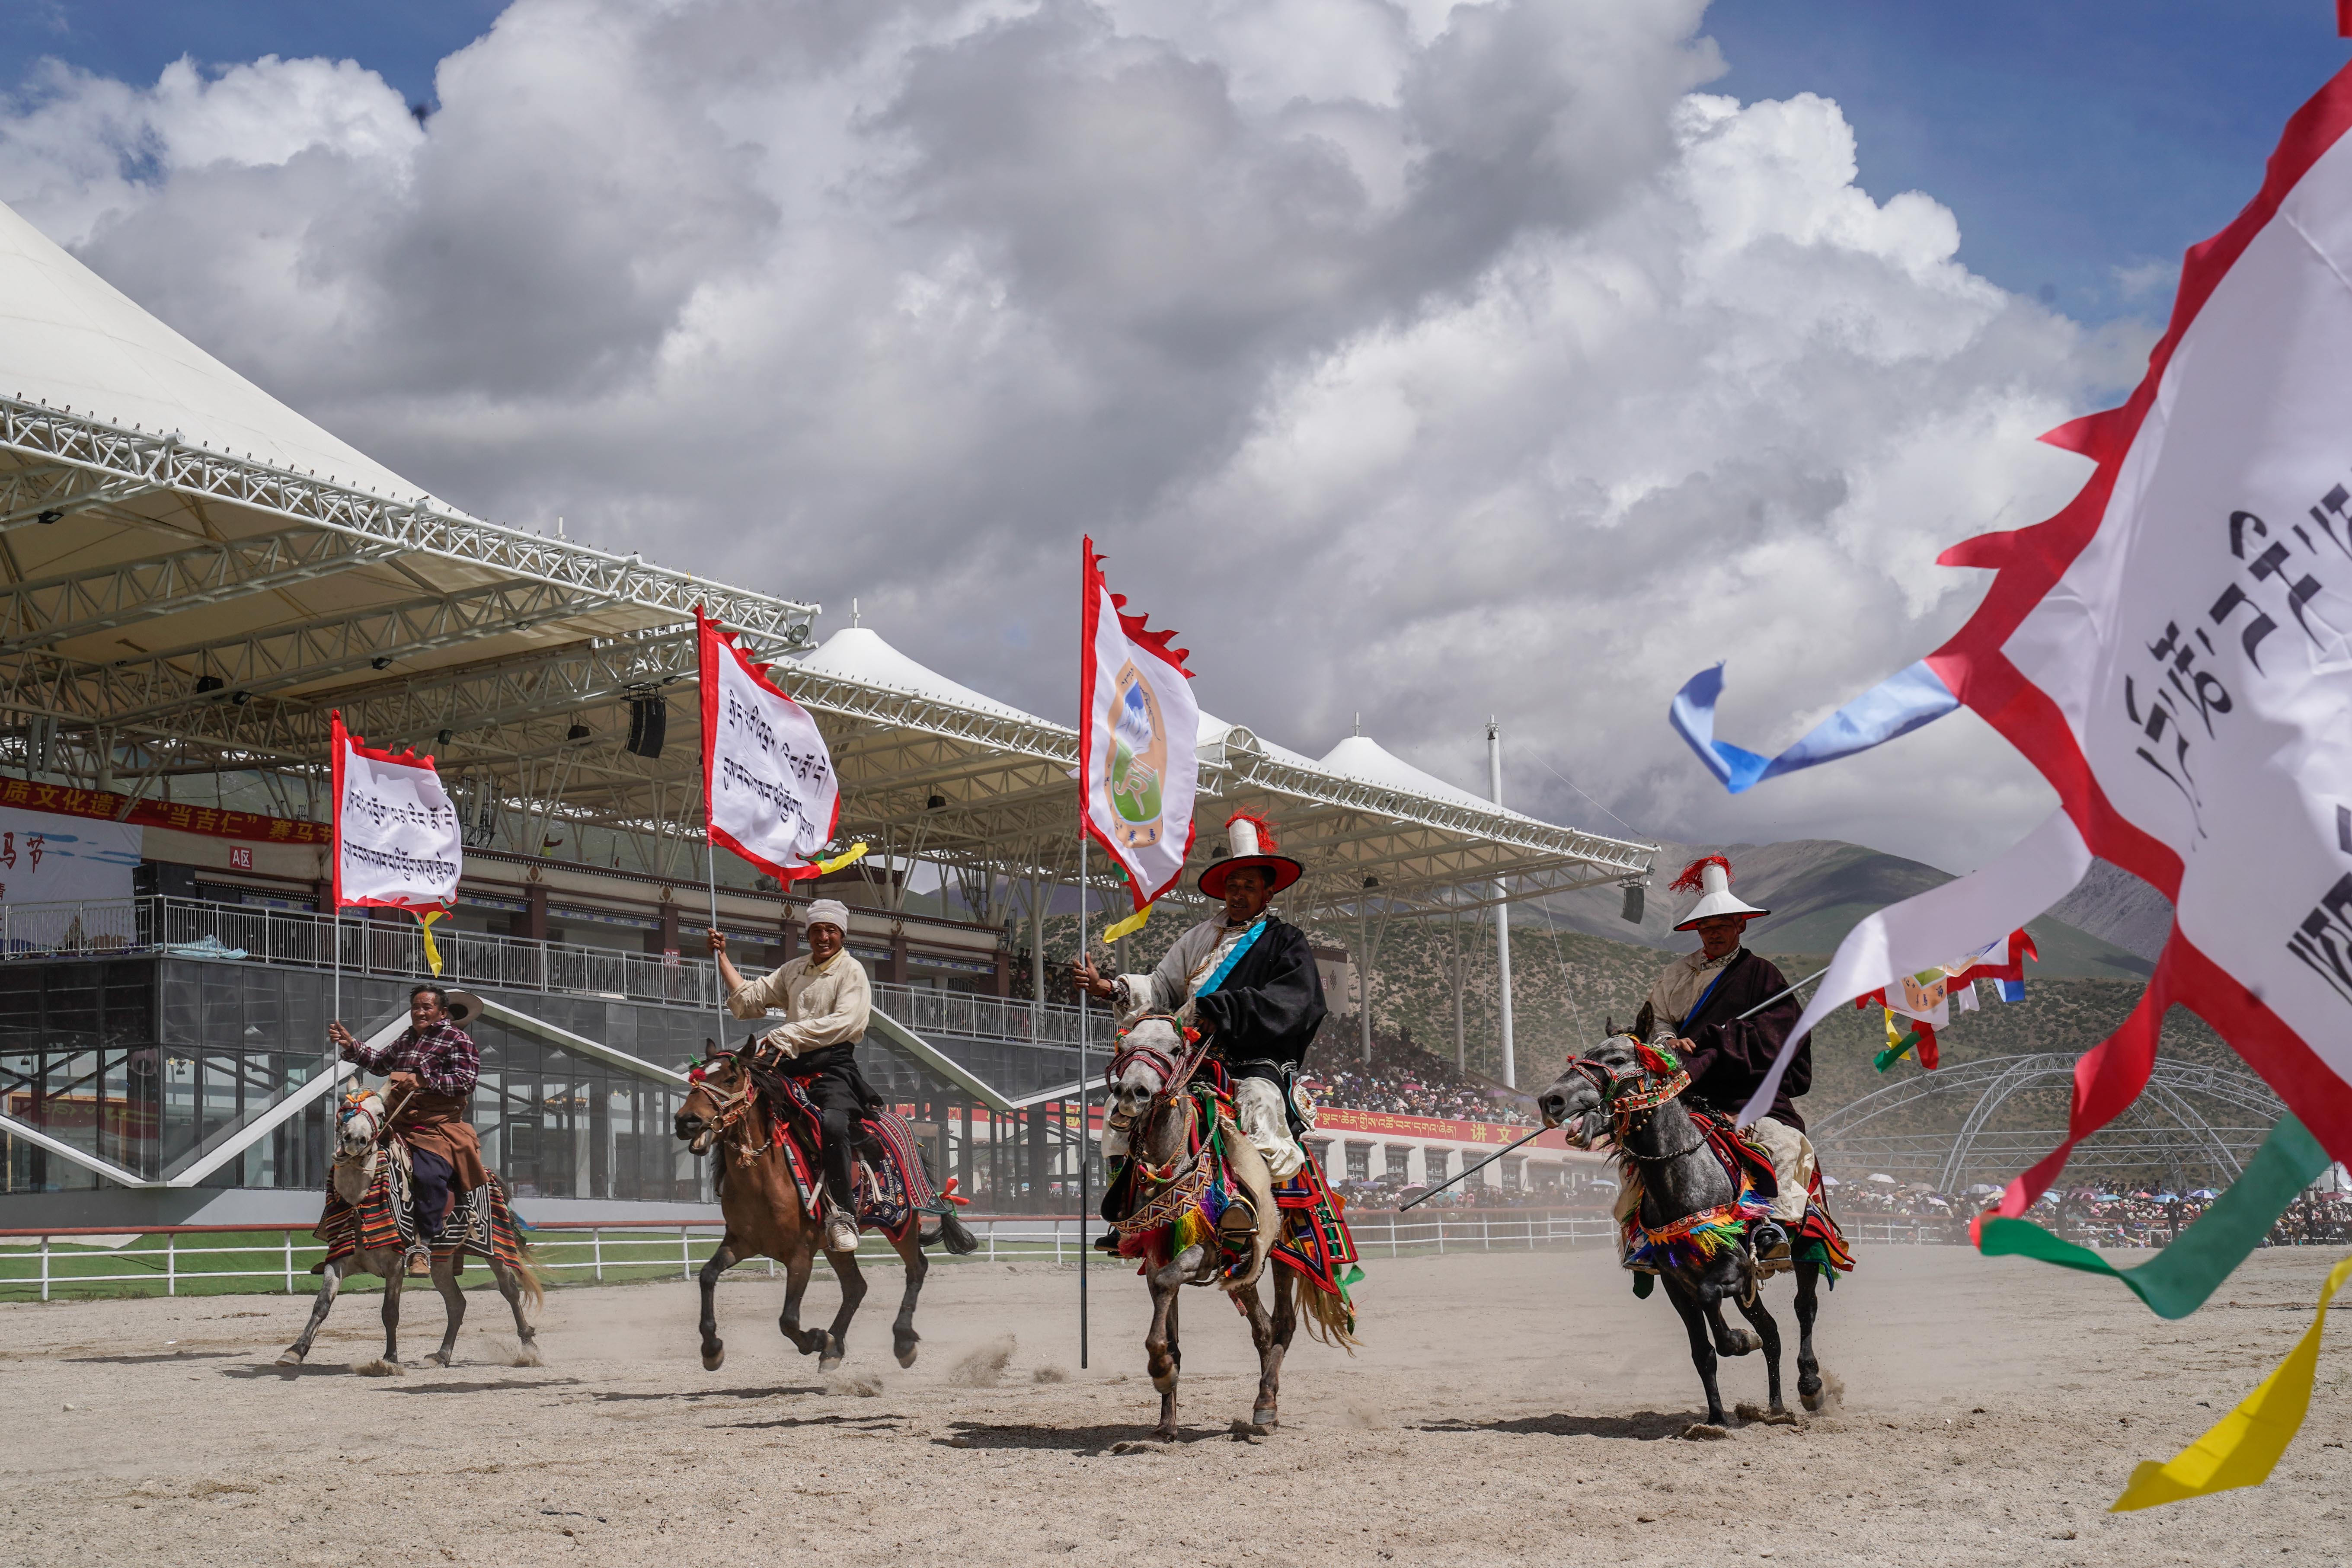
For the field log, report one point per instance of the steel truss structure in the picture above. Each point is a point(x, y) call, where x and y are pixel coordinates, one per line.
point(170, 610)
point(2171, 1127)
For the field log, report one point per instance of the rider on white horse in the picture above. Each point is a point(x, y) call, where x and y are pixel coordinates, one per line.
point(433, 1066)
point(1246, 978)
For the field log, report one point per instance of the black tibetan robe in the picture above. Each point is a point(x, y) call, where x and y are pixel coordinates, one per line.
point(1732, 1058)
point(1265, 1015)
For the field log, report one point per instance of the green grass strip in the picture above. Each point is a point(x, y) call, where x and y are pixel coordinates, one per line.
point(2177, 1280)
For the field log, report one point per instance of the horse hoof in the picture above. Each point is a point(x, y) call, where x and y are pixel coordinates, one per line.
point(1264, 1419)
point(1702, 1432)
point(438, 1359)
point(907, 1356)
point(1163, 1434)
point(1741, 1341)
point(291, 1358)
point(1812, 1402)
point(714, 1358)
point(527, 1355)
point(832, 1354)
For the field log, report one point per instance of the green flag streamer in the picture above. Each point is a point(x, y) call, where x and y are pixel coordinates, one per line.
point(2177, 1280)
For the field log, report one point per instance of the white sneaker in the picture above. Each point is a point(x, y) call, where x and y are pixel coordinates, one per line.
point(840, 1232)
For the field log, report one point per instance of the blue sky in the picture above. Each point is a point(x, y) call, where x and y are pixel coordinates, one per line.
point(2074, 140)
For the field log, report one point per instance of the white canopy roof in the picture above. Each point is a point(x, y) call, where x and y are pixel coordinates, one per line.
point(74, 341)
point(273, 572)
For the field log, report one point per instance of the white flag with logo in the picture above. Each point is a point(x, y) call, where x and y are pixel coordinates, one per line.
point(768, 778)
point(397, 841)
point(1139, 731)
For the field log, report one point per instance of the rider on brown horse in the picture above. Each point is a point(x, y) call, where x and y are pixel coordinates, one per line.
point(826, 1001)
point(432, 1066)
point(1701, 997)
point(1247, 980)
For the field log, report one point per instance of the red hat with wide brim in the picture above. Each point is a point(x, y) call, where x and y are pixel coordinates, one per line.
point(1250, 839)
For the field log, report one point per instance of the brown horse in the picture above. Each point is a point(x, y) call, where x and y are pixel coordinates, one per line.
point(729, 1110)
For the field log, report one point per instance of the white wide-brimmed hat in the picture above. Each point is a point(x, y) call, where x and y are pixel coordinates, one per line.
point(1712, 877)
point(464, 1007)
point(828, 912)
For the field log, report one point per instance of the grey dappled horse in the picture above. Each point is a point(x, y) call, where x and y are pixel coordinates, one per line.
point(1680, 1176)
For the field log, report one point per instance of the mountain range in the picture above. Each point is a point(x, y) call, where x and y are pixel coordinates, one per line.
point(2111, 927)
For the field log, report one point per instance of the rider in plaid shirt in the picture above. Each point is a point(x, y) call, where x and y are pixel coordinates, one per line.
point(433, 1066)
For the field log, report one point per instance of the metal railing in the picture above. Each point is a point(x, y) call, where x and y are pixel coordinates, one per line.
point(198, 928)
point(180, 1260)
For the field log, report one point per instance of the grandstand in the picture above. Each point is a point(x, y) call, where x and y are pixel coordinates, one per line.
point(196, 576)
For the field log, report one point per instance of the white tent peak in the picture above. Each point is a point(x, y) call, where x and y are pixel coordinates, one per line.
point(68, 339)
point(1361, 757)
point(859, 654)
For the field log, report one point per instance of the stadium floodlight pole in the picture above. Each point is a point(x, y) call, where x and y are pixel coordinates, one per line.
point(1502, 912)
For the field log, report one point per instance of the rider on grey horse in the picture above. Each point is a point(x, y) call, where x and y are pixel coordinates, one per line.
point(1246, 978)
point(1700, 997)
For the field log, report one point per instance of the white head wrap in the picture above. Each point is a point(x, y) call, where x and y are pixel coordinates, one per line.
point(829, 912)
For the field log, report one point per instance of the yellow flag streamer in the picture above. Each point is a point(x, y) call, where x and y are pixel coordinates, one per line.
point(432, 952)
point(849, 857)
point(1128, 926)
point(2242, 1447)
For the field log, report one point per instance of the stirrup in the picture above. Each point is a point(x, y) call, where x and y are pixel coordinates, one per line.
point(1238, 1203)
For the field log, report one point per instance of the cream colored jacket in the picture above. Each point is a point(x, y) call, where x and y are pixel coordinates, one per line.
point(822, 1007)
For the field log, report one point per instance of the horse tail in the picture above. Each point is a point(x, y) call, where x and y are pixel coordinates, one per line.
point(525, 1267)
point(1328, 1317)
point(953, 1233)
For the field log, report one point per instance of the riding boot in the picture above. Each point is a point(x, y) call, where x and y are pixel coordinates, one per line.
point(1769, 1242)
point(1107, 1242)
point(840, 1228)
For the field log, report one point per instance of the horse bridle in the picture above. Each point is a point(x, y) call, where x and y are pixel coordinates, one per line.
point(730, 1107)
point(1174, 1072)
point(1605, 1082)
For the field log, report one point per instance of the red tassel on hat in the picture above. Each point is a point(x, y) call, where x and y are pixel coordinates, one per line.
point(1690, 881)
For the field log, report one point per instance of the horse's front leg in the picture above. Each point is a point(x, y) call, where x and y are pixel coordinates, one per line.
point(903, 1337)
point(330, 1283)
point(1768, 1331)
point(853, 1291)
point(1162, 1357)
point(1809, 1371)
point(714, 1348)
point(1693, 1318)
point(444, 1279)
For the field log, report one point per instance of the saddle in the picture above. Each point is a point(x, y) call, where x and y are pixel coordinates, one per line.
point(891, 1183)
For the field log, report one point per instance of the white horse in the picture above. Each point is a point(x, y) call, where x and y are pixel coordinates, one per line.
point(361, 1140)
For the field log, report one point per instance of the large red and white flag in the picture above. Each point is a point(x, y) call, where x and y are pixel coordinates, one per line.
point(2171, 651)
point(1138, 738)
point(767, 776)
point(398, 843)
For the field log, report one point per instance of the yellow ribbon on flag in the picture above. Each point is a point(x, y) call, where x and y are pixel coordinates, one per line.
point(432, 952)
point(1128, 926)
point(849, 857)
point(2242, 1448)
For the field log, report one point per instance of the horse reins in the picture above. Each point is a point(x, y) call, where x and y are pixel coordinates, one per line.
point(732, 1108)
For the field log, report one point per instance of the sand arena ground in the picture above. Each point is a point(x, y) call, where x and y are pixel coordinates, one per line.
point(1505, 1408)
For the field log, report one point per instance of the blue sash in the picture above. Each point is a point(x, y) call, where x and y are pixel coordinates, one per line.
point(1249, 941)
point(1683, 1022)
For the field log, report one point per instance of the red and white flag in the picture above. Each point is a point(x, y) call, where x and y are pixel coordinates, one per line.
point(1139, 739)
point(767, 776)
point(2173, 651)
point(397, 839)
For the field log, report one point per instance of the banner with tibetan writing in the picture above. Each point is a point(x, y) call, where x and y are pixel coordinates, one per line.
point(397, 840)
point(772, 796)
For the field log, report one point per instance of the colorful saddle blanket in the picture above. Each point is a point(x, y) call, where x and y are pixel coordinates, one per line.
point(892, 1197)
point(480, 1223)
point(1693, 1238)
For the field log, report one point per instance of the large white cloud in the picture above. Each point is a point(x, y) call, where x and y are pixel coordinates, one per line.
point(1413, 360)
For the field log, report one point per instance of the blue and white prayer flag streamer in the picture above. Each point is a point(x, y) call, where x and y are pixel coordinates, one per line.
point(1896, 706)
